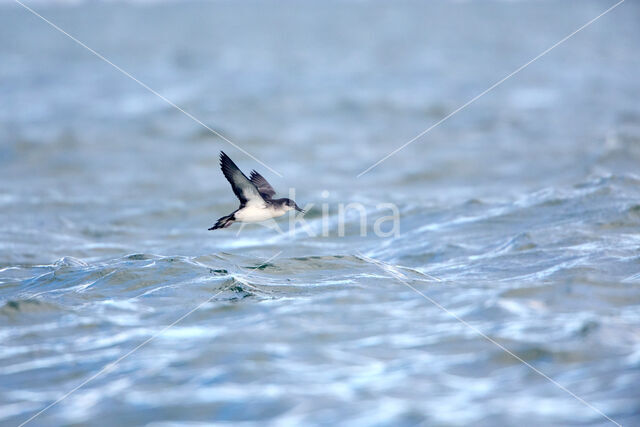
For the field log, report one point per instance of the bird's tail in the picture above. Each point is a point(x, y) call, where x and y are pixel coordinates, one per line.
point(224, 222)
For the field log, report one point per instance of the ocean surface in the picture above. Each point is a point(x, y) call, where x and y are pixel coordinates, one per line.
point(518, 218)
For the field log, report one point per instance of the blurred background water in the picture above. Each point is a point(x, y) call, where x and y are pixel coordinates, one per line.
point(526, 206)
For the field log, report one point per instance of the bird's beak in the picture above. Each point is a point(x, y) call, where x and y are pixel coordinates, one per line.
point(298, 209)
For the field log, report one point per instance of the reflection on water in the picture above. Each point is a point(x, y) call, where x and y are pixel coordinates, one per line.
point(525, 206)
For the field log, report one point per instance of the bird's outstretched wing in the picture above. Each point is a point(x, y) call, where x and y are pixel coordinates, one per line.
point(242, 187)
point(265, 189)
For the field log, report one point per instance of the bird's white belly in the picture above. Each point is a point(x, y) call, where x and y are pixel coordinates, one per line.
point(257, 213)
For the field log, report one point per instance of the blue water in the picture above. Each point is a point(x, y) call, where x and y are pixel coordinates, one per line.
point(518, 216)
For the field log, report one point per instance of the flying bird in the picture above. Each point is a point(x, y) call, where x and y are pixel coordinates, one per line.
point(255, 195)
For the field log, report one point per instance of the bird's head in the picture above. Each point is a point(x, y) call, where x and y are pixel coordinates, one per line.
point(290, 205)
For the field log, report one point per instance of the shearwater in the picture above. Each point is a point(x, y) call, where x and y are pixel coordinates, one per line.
point(255, 195)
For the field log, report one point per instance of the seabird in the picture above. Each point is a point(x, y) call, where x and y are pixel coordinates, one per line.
point(255, 195)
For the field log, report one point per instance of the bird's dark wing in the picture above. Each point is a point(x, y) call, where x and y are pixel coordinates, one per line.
point(244, 189)
point(264, 187)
